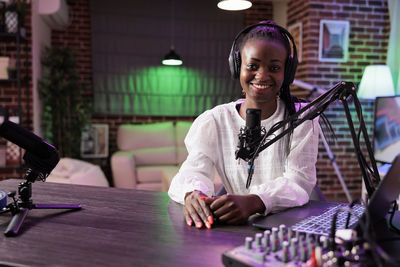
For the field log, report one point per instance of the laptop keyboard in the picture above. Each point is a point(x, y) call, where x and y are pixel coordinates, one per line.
point(321, 224)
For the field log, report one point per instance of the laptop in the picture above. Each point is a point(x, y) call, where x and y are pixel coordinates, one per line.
point(380, 203)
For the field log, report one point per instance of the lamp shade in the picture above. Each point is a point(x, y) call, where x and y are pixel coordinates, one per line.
point(234, 5)
point(376, 81)
point(172, 58)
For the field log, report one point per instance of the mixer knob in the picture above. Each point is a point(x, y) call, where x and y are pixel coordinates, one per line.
point(267, 235)
point(293, 247)
point(248, 243)
point(258, 240)
point(282, 232)
point(285, 251)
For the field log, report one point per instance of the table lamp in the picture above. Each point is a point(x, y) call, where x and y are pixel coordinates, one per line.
point(376, 81)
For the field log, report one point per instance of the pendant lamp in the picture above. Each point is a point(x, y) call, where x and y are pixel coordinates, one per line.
point(172, 58)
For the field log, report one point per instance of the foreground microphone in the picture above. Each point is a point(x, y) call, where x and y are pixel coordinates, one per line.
point(39, 154)
point(250, 135)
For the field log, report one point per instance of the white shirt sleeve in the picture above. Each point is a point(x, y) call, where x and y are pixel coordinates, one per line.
point(197, 171)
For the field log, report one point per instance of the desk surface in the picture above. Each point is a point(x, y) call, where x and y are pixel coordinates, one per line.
point(116, 227)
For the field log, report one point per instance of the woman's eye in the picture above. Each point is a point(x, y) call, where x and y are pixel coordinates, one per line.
point(275, 68)
point(251, 67)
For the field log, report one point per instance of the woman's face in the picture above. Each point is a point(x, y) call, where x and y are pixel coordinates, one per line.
point(262, 69)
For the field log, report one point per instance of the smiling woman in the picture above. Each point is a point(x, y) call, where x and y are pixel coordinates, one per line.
point(285, 173)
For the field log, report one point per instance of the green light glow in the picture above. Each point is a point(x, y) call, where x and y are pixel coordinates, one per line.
point(162, 91)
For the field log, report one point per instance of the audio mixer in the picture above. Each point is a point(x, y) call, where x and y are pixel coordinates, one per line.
point(284, 247)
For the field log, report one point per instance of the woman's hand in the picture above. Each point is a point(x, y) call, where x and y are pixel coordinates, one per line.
point(236, 209)
point(197, 209)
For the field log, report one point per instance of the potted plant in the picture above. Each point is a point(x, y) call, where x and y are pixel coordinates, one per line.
point(65, 111)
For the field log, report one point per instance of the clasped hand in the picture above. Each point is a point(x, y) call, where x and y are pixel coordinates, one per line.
point(202, 210)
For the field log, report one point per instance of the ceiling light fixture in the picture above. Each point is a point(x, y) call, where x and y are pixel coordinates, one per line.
point(172, 58)
point(234, 5)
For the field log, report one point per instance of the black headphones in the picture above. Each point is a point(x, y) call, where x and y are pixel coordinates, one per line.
point(291, 62)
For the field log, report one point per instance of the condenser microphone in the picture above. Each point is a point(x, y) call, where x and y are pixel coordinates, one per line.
point(253, 124)
point(250, 136)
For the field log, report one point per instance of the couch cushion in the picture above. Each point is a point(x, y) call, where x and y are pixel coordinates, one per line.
point(181, 154)
point(132, 136)
point(182, 128)
point(154, 174)
point(149, 186)
point(155, 156)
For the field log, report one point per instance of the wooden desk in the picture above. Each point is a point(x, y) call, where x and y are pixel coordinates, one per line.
point(116, 227)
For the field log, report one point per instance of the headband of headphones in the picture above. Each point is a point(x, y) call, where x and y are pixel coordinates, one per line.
point(291, 62)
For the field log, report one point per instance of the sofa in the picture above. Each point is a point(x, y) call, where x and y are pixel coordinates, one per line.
point(149, 155)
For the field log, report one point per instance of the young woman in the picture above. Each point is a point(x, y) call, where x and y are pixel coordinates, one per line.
point(285, 172)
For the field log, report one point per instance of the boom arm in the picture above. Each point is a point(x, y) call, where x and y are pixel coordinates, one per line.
point(341, 91)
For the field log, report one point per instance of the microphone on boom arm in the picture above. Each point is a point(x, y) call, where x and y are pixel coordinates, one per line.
point(250, 137)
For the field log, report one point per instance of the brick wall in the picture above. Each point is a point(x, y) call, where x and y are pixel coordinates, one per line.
point(77, 36)
point(369, 34)
point(260, 10)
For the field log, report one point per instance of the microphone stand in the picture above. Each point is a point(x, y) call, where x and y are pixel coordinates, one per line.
point(341, 91)
point(19, 208)
point(331, 156)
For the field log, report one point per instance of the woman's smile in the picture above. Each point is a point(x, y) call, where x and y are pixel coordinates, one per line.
point(261, 87)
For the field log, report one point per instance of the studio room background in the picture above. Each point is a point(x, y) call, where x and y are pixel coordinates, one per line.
point(120, 44)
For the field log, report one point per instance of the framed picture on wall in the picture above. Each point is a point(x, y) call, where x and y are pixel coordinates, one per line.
point(94, 141)
point(333, 40)
point(296, 30)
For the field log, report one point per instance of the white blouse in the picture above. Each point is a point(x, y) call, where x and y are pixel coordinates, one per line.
point(281, 181)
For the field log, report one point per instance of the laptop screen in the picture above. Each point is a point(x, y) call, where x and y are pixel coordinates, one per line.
point(387, 191)
point(387, 128)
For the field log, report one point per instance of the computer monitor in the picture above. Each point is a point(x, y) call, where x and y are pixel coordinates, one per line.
point(387, 128)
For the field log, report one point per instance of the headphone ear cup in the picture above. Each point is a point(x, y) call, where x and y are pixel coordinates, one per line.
point(234, 64)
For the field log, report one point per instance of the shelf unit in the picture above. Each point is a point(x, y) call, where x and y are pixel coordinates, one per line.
point(20, 54)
